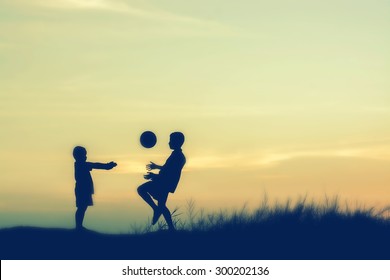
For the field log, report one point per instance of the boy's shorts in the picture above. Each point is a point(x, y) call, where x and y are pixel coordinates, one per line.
point(83, 198)
point(155, 190)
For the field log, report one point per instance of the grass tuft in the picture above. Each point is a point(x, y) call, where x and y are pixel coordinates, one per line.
point(287, 214)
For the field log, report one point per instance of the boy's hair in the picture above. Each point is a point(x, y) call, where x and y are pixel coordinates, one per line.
point(79, 153)
point(177, 138)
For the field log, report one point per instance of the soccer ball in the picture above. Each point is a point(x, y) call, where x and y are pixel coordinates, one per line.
point(148, 139)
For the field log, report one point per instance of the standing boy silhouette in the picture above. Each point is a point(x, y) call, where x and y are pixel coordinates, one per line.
point(160, 185)
point(84, 184)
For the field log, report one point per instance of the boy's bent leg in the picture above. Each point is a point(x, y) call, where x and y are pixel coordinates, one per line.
point(162, 199)
point(143, 192)
point(165, 212)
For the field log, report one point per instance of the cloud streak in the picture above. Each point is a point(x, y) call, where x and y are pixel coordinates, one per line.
point(120, 6)
point(257, 160)
point(272, 159)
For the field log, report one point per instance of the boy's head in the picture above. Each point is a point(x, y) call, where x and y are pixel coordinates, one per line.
point(176, 140)
point(80, 153)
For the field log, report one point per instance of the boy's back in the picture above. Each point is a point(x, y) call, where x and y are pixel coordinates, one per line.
point(170, 174)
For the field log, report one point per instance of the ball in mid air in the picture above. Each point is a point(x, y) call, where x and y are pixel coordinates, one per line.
point(148, 139)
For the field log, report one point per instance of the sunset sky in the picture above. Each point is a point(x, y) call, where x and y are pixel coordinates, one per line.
point(288, 98)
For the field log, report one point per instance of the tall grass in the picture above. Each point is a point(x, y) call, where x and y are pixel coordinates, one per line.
point(289, 213)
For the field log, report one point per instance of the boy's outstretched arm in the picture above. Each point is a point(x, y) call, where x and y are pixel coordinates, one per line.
point(106, 166)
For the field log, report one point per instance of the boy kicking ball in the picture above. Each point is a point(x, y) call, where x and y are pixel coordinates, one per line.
point(160, 185)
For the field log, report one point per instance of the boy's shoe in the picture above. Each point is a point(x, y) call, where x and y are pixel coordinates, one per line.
point(156, 215)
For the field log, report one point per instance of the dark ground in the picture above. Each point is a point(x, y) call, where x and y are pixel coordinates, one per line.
point(333, 239)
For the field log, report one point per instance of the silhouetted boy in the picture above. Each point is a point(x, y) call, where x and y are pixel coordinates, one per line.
point(84, 184)
point(161, 184)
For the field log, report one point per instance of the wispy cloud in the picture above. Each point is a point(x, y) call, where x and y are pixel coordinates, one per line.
point(107, 5)
point(270, 159)
point(84, 4)
point(256, 160)
point(123, 7)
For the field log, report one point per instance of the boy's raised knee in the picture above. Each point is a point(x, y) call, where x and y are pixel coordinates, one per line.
point(140, 190)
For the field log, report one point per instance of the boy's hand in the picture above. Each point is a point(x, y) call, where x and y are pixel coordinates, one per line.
point(112, 164)
point(151, 166)
point(150, 176)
